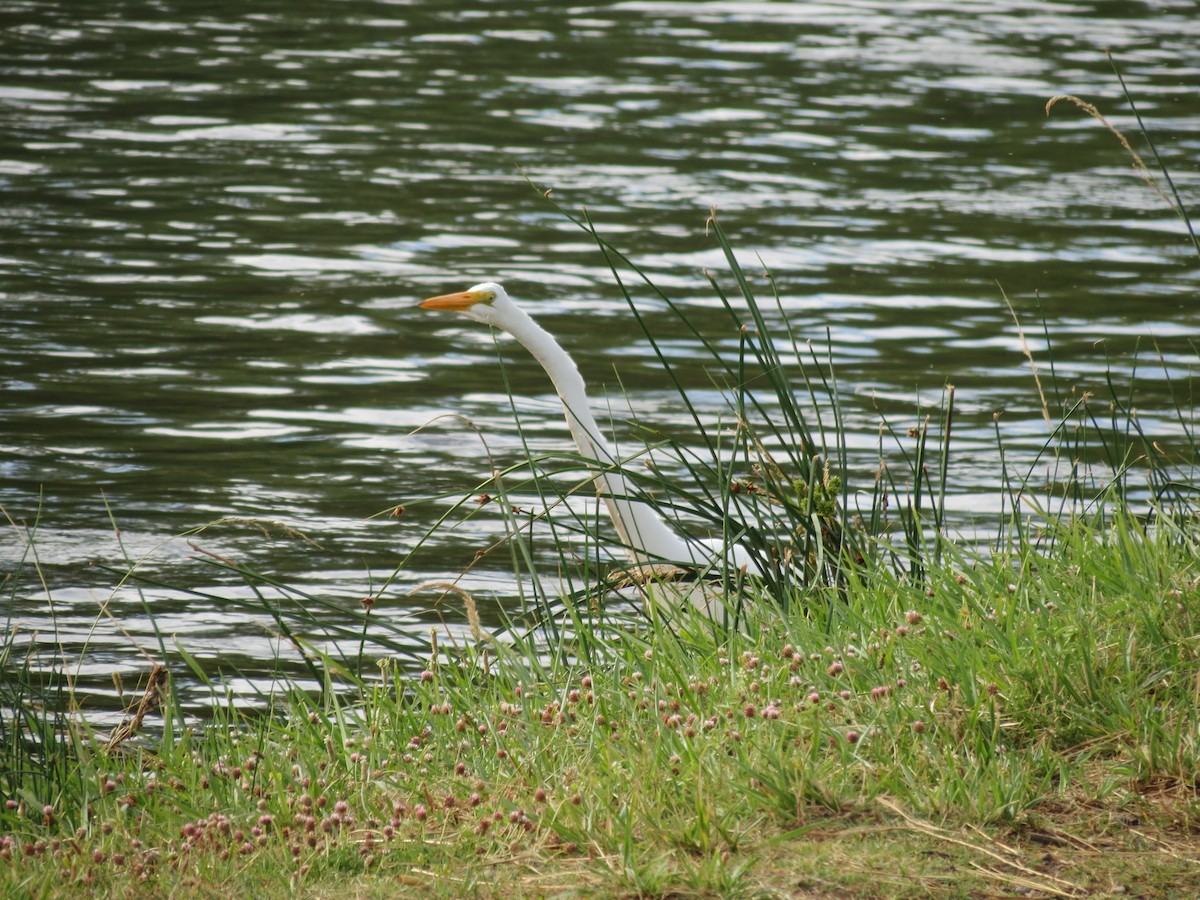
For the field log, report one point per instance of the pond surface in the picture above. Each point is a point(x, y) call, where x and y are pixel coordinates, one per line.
point(218, 221)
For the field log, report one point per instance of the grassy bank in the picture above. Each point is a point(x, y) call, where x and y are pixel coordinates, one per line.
point(1028, 723)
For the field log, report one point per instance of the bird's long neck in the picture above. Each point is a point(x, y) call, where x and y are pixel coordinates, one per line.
point(646, 537)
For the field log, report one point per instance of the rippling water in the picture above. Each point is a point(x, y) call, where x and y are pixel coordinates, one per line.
point(216, 225)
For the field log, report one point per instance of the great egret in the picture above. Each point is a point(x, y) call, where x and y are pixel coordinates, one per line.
point(647, 539)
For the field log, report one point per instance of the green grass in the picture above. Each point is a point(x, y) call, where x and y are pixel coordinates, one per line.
point(1022, 721)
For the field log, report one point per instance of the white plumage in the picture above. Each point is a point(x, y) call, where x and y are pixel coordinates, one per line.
point(647, 538)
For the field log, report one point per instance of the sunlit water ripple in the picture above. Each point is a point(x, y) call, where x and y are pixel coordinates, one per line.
point(217, 223)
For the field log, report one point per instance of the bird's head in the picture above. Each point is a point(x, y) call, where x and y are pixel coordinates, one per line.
point(483, 303)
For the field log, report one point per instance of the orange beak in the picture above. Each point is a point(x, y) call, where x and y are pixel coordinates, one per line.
point(456, 302)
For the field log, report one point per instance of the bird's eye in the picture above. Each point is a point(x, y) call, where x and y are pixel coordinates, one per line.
point(489, 297)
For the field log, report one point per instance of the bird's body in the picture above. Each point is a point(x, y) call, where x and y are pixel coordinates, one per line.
point(647, 539)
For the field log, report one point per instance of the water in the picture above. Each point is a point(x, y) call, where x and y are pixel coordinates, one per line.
point(217, 224)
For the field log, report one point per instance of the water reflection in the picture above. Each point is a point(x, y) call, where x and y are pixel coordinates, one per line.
point(217, 221)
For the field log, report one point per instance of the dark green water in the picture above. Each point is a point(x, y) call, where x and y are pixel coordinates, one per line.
point(217, 220)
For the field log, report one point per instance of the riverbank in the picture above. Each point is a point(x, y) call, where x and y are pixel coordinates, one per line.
point(1024, 723)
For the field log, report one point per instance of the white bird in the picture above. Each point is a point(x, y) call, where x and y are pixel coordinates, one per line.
point(648, 540)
